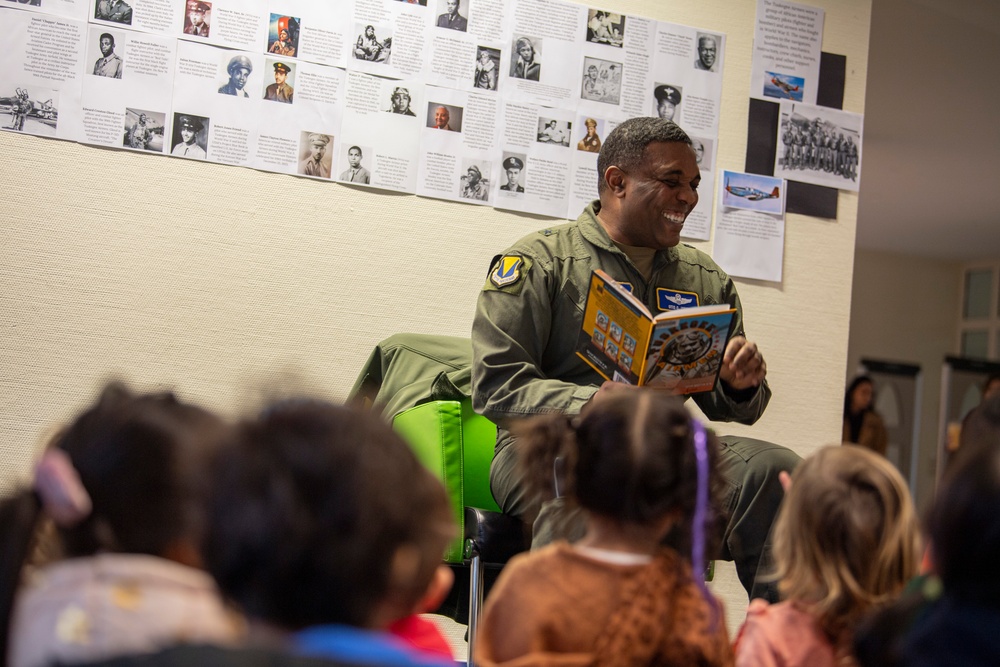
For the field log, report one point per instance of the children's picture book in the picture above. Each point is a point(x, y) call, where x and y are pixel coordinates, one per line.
point(677, 350)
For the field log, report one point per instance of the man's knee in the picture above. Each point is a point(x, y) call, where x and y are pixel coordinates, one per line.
point(756, 459)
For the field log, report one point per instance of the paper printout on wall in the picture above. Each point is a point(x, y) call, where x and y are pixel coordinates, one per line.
point(127, 88)
point(459, 150)
point(786, 51)
point(381, 124)
point(389, 38)
point(819, 145)
point(749, 241)
point(535, 163)
point(41, 69)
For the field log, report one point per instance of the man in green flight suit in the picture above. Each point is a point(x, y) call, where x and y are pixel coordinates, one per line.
point(529, 316)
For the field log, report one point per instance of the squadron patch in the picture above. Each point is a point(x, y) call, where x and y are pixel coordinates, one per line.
point(508, 271)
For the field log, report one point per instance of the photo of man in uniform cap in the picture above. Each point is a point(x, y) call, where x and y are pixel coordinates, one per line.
point(474, 186)
point(513, 166)
point(195, 23)
point(239, 69)
point(667, 100)
point(189, 128)
point(109, 64)
point(317, 164)
point(279, 91)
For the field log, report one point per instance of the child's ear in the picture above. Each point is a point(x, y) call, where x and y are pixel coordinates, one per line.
point(437, 590)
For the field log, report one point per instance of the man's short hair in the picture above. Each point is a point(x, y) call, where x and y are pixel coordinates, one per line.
point(109, 36)
point(625, 145)
point(356, 148)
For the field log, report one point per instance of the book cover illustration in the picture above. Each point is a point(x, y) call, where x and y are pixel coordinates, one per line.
point(678, 350)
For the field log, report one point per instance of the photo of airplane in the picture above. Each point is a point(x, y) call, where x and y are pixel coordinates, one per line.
point(752, 194)
point(28, 113)
point(783, 86)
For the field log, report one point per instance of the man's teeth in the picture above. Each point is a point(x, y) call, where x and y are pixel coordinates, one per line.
point(677, 218)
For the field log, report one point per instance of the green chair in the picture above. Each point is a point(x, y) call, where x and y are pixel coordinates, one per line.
point(421, 384)
point(457, 445)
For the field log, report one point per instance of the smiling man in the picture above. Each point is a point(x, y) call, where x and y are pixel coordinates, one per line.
point(239, 70)
point(529, 317)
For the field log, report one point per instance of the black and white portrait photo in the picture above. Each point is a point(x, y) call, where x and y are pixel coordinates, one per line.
point(707, 52)
point(667, 101)
point(238, 70)
point(525, 61)
point(513, 172)
point(400, 101)
point(190, 136)
point(107, 62)
point(451, 16)
point(356, 172)
point(487, 68)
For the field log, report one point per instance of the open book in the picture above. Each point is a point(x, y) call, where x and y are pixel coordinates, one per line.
point(678, 350)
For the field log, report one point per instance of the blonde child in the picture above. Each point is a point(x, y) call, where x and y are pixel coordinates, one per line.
point(845, 542)
point(642, 470)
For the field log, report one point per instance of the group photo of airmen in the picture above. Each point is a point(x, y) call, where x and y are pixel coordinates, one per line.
point(819, 147)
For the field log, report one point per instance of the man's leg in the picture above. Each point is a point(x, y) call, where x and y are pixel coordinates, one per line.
point(750, 468)
point(550, 520)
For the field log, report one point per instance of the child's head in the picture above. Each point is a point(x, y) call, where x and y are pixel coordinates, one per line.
point(125, 476)
point(963, 524)
point(630, 457)
point(846, 537)
point(323, 515)
point(141, 459)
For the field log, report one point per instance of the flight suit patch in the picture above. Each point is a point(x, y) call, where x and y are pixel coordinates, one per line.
point(508, 273)
point(668, 299)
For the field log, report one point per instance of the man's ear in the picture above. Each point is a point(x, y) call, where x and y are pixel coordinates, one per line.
point(615, 179)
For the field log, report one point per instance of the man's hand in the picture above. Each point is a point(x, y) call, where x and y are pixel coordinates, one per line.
point(743, 366)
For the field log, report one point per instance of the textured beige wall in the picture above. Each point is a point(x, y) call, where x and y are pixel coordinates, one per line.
point(216, 281)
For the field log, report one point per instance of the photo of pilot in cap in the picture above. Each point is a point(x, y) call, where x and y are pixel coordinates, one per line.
point(513, 166)
point(195, 23)
point(239, 69)
point(668, 98)
point(317, 161)
point(280, 90)
point(187, 130)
